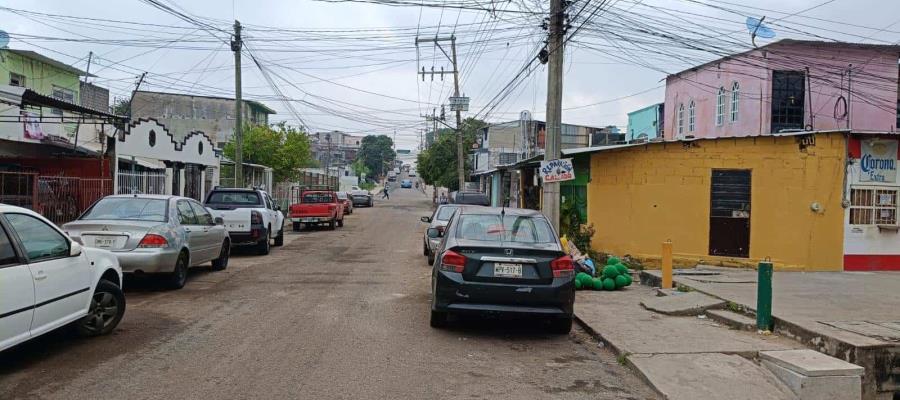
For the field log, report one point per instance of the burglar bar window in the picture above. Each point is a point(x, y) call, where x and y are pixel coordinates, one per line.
point(720, 106)
point(873, 206)
point(16, 79)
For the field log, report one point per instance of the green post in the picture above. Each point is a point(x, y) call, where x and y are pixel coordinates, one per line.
point(764, 296)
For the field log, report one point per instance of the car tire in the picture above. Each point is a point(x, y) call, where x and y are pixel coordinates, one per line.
point(430, 258)
point(561, 326)
point(371, 203)
point(178, 277)
point(279, 240)
point(438, 319)
point(340, 223)
point(296, 227)
point(105, 312)
point(331, 224)
point(222, 262)
point(425, 251)
point(262, 247)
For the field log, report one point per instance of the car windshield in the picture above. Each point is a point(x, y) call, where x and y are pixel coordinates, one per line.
point(444, 213)
point(317, 197)
point(512, 228)
point(342, 195)
point(235, 198)
point(128, 208)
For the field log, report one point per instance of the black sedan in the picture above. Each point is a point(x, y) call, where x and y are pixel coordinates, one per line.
point(503, 261)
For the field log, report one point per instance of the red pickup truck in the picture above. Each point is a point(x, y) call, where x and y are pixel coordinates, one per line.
point(317, 207)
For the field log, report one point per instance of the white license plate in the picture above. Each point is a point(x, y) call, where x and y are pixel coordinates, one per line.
point(104, 243)
point(505, 270)
point(236, 226)
point(309, 220)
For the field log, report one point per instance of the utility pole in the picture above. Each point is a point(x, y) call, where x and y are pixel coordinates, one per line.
point(238, 109)
point(458, 107)
point(555, 46)
point(133, 161)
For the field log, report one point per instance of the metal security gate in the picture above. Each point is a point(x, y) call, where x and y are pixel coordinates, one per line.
point(729, 213)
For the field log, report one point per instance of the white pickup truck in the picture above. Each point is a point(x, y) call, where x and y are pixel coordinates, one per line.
point(250, 215)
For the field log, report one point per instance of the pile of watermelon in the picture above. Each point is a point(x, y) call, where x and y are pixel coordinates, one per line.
point(614, 275)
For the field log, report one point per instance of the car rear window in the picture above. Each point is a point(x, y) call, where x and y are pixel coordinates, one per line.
point(234, 198)
point(445, 213)
point(512, 228)
point(317, 197)
point(128, 208)
point(341, 195)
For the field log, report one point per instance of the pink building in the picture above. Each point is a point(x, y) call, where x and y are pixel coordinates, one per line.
point(787, 86)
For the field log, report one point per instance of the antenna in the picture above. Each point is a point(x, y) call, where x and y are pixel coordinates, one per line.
point(757, 29)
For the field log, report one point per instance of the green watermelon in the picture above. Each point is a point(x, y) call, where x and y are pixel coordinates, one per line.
point(612, 260)
point(610, 271)
point(597, 283)
point(622, 269)
point(577, 284)
point(627, 279)
point(585, 279)
point(609, 284)
point(621, 281)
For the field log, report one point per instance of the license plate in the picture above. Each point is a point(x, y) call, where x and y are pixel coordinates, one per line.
point(309, 220)
point(505, 270)
point(104, 243)
point(235, 226)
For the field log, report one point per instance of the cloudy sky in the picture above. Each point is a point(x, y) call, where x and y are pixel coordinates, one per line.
point(352, 66)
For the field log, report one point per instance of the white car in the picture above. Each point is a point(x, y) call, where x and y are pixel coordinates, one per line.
point(47, 280)
point(250, 216)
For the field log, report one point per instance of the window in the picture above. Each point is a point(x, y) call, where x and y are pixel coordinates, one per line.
point(186, 215)
point(63, 94)
point(128, 208)
point(681, 119)
point(735, 101)
point(16, 79)
point(203, 216)
point(788, 88)
point(513, 228)
point(873, 206)
point(236, 198)
point(41, 241)
point(317, 197)
point(7, 254)
point(445, 212)
point(720, 107)
point(692, 116)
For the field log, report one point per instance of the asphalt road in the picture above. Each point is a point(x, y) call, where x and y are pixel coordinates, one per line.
point(331, 315)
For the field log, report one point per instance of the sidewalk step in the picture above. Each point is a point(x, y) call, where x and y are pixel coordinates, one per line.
point(689, 303)
point(733, 319)
point(814, 376)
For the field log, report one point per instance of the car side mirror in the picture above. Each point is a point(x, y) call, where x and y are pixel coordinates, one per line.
point(219, 221)
point(426, 219)
point(433, 233)
point(74, 249)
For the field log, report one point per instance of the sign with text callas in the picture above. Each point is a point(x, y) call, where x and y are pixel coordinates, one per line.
point(878, 162)
point(557, 170)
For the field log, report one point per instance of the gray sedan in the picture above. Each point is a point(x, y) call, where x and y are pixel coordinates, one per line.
point(154, 234)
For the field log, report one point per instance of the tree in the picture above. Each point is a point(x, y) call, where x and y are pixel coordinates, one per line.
point(121, 106)
point(437, 164)
point(359, 168)
point(283, 148)
point(376, 153)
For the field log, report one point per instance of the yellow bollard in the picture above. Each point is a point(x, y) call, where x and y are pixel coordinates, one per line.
point(667, 264)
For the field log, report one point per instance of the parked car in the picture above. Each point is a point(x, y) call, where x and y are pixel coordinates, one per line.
point(251, 217)
point(154, 234)
point(473, 198)
point(361, 197)
point(317, 207)
point(506, 261)
point(48, 280)
point(438, 220)
point(406, 184)
point(344, 197)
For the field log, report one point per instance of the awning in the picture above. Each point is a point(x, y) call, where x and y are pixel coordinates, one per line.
point(144, 162)
point(24, 97)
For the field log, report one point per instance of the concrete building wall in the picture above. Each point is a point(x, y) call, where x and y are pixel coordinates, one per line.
point(39, 76)
point(640, 196)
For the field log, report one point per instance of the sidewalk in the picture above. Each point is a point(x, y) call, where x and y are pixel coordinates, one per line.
point(854, 316)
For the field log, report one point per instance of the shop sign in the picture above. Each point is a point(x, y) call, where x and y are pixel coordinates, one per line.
point(557, 170)
point(878, 162)
point(32, 124)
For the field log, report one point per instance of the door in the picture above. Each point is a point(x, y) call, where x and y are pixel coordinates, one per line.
point(194, 231)
point(16, 295)
point(212, 234)
point(62, 283)
point(729, 213)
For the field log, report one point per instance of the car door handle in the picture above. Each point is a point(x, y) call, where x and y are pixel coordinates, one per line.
point(40, 276)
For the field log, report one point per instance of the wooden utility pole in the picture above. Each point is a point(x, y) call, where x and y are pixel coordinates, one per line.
point(555, 45)
point(238, 109)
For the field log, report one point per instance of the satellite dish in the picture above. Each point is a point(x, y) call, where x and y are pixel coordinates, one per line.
point(757, 29)
point(4, 39)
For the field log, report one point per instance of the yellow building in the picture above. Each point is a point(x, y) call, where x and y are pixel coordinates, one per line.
point(725, 201)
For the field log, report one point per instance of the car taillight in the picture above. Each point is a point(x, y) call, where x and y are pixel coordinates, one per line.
point(255, 217)
point(453, 261)
point(562, 266)
point(151, 240)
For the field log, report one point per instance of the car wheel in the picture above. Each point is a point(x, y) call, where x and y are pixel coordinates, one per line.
point(262, 247)
point(561, 326)
point(296, 227)
point(222, 262)
point(106, 310)
point(425, 250)
point(279, 240)
point(341, 222)
point(438, 319)
point(371, 203)
point(331, 224)
point(178, 277)
point(430, 258)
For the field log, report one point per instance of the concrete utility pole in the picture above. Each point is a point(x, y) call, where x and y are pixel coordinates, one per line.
point(460, 156)
point(238, 109)
point(555, 46)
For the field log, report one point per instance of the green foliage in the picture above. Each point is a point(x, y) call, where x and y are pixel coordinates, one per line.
point(367, 186)
point(437, 164)
point(570, 226)
point(283, 148)
point(376, 153)
point(121, 106)
point(359, 168)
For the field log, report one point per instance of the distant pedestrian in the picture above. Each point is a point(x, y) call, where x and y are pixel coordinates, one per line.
point(443, 199)
point(384, 193)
